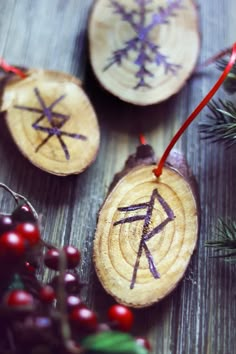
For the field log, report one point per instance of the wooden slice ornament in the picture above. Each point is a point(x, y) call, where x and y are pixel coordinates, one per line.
point(52, 121)
point(146, 233)
point(148, 225)
point(143, 51)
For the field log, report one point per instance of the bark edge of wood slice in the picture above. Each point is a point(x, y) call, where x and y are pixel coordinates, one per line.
point(75, 146)
point(165, 254)
point(151, 75)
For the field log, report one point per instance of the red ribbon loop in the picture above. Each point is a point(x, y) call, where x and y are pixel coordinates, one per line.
point(9, 68)
point(158, 170)
point(142, 139)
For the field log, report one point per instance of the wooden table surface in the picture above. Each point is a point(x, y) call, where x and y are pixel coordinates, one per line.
point(199, 316)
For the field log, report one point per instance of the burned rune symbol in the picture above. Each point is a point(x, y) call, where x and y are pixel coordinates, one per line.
point(55, 119)
point(147, 234)
point(147, 51)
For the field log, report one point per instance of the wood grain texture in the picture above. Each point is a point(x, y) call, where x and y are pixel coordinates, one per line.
point(199, 317)
point(61, 150)
point(135, 76)
point(143, 245)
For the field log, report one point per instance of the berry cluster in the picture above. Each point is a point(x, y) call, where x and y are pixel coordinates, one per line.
point(18, 231)
point(46, 318)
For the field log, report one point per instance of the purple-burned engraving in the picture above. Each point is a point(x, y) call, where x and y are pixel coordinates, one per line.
point(141, 43)
point(146, 233)
point(55, 119)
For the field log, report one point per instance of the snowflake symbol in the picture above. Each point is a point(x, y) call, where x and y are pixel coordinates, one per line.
point(55, 119)
point(147, 51)
point(146, 233)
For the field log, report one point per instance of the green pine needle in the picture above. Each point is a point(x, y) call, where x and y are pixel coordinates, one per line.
point(230, 82)
point(226, 242)
point(222, 123)
point(221, 127)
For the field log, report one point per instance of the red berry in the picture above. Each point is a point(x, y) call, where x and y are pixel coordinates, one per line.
point(71, 281)
point(26, 208)
point(47, 294)
point(121, 316)
point(6, 224)
point(30, 232)
point(84, 318)
point(23, 213)
point(74, 302)
point(30, 268)
point(72, 256)
point(17, 298)
point(51, 259)
point(143, 342)
point(12, 245)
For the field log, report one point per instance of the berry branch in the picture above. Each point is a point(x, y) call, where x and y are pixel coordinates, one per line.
point(18, 197)
point(51, 317)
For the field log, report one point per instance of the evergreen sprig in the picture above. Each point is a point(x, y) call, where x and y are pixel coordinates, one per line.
point(225, 244)
point(222, 127)
point(230, 82)
point(222, 122)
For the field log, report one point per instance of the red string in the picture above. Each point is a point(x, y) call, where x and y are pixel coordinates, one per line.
point(215, 57)
point(142, 139)
point(158, 170)
point(8, 68)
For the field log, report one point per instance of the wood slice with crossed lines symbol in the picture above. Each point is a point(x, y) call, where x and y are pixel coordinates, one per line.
point(143, 51)
point(52, 121)
point(146, 233)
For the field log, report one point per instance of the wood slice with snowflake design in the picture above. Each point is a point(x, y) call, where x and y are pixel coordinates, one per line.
point(52, 121)
point(147, 231)
point(143, 51)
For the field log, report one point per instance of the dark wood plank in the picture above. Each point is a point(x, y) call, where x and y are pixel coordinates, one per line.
point(199, 316)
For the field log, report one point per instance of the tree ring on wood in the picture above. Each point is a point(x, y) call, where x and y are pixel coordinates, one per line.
point(146, 233)
point(52, 121)
point(143, 51)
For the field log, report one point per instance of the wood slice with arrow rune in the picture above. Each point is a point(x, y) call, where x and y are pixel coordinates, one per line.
point(52, 121)
point(143, 51)
point(147, 230)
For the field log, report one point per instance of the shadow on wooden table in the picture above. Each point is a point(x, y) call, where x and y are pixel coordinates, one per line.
point(146, 318)
point(115, 114)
